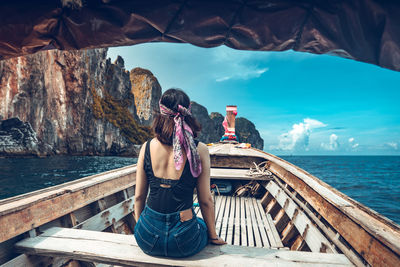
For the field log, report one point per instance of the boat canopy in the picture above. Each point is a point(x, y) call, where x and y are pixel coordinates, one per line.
point(363, 30)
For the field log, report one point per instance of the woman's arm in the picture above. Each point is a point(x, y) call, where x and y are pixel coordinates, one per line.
point(141, 184)
point(204, 195)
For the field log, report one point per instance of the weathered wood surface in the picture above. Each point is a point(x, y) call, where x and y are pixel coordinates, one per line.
point(315, 240)
point(239, 221)
point(360, 235)
point(122, 250)
point(107, 217)
point(237, 162)
point(38, 208)
point(98, 222)
point(372, 235)
point(233, 174)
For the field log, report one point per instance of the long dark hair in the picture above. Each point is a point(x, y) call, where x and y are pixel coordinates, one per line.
point(163, 126)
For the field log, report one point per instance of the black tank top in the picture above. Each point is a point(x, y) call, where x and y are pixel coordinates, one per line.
point(167, 195)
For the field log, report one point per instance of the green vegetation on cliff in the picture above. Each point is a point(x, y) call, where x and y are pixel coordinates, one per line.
point(117, 113)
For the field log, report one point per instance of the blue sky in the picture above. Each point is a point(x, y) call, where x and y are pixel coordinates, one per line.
point(302, 104)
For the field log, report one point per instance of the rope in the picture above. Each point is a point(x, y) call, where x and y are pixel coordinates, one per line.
point(259, 170)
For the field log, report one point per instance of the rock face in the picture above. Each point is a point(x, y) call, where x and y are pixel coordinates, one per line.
point(17, 138)
point(147, 92)
point(208, 132)
point(247, 133)
point(212, 129)
point(78, 102)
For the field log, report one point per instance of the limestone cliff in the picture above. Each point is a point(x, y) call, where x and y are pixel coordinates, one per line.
point(147, 92)
point(247, 133)
point(78, 102)
point(208, 132)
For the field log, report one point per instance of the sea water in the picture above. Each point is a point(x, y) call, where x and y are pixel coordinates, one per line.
point(371, 180)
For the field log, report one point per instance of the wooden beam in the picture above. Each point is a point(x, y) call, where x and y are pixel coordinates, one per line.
point(236, 238)
point(369, 233)
point(243, 228)
point(231, 220)
point(122, 250)
point(233, 174)
point(250, 233)
point(225, 218)
point(288, 233)
point(260, 224)
point(313, 237)
point(270, 205)
point(37, 209)
point(236, 162)
point(107, 217)
point(376, 248)
point(273, 239)
point(327, 230)
point(298, 244)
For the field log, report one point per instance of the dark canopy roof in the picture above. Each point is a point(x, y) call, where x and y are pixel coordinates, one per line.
point(364, 30)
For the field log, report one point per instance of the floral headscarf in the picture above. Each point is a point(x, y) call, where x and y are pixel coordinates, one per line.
point(183, 137)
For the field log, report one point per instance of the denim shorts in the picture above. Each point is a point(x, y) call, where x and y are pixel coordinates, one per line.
point(159, 234)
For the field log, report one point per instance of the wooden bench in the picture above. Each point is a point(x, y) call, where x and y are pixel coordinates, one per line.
point(242, 221)
point(120, 249)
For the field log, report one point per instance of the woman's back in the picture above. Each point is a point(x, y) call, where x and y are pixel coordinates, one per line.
point(170, 190)
point(162, 159)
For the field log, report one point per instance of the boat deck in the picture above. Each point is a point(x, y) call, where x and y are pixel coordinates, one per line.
point(242, 221)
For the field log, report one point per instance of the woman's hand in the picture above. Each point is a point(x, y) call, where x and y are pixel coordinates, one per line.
point(217, 241)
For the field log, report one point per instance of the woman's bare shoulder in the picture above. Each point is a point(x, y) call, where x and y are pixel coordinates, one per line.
point(203, 149)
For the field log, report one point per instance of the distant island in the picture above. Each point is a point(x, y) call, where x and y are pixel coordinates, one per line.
point(80, 103)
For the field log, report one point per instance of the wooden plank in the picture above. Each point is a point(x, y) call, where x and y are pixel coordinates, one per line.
point(118, 249)
point(237, 162)
point(243, 227)
point(233, 174)
point(225, 218)
point(104, 219)
point(271, 237)
point(230, 150)
point(236, 238)
point(229, 235)
point(312, 236)
point(250, 233)
point(217, 206)
point(260, 224)
point(270, 205)
point(220, 216)
point(37, 209)
point(278, 242)
point(370, 234)
point(254, 224)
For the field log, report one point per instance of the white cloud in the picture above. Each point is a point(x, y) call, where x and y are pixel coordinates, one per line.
point(393, 145)
point(223, 79)
point(237, 65)
point(333, 143)
point(245, 73)
point(298, 138)
point(352, 144)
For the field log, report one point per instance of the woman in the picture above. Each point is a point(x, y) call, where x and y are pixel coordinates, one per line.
point(172, 165)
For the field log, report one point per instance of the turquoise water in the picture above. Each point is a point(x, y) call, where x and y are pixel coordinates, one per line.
point(22, 175)
point(372, 180)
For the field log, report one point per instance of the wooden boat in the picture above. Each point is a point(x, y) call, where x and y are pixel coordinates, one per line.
point(293, 219)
